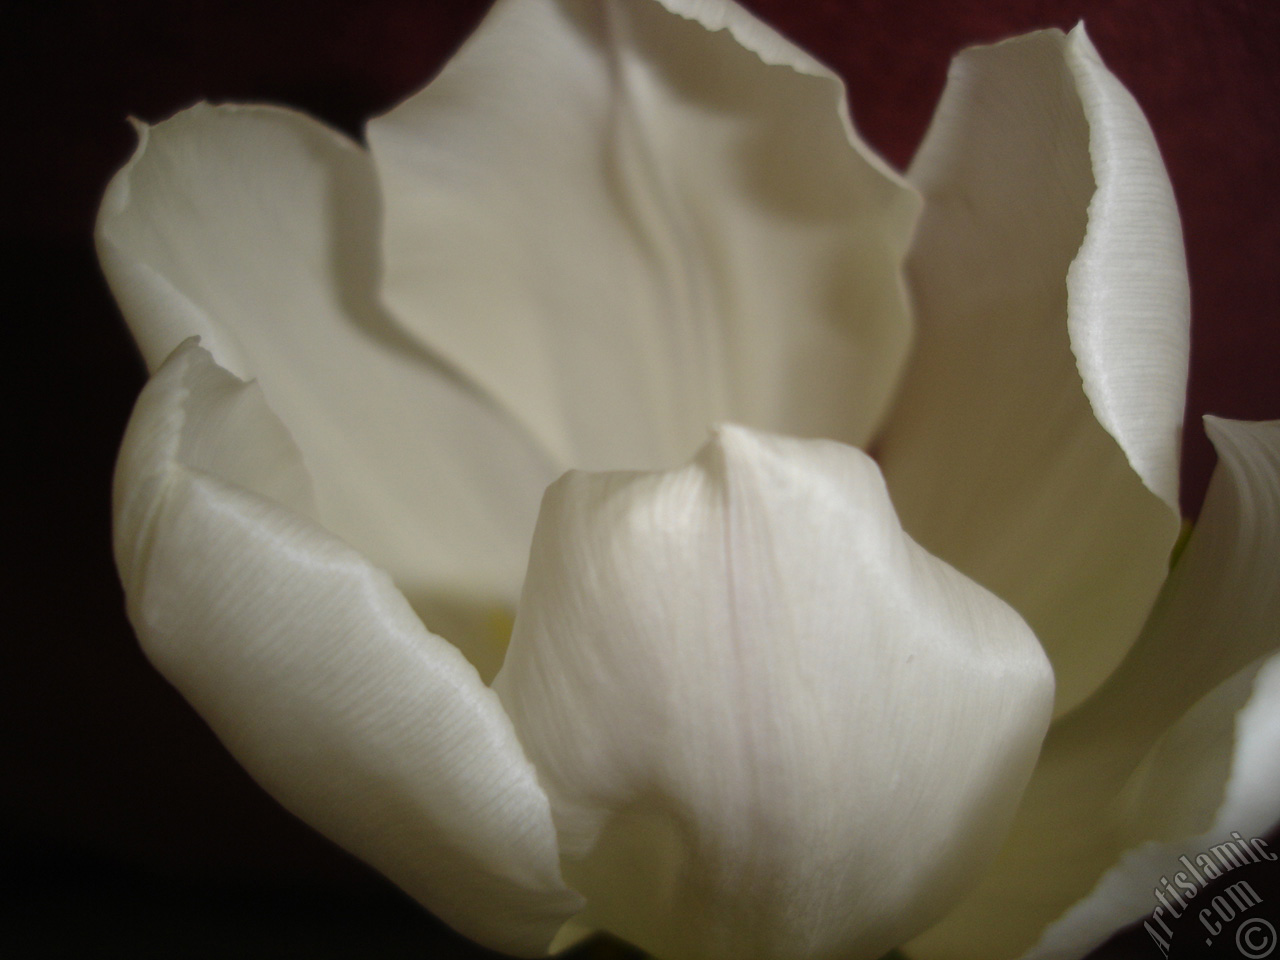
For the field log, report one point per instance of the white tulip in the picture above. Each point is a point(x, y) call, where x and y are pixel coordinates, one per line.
point(742, 713)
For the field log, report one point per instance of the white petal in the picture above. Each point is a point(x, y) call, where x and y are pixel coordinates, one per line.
point(1128, 299)
point(1213, 778)
point(313, 669)
point(1036, 443)
point(770, 725)
point(627, 225)
point(257, 229)
point(1195, 707)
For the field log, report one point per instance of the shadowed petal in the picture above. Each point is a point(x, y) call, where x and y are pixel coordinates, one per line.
point(1196, 703)
point(257, 229)
point(1035, 446)
point(627, 223)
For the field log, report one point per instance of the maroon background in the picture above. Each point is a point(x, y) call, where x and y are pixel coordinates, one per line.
point(124, 820)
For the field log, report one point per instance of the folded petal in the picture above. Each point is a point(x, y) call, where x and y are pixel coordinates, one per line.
point(257, 229)
point(1036, 443)
point(628, 222)
point(313, 669)
point(1180, 747)
point(769, 723)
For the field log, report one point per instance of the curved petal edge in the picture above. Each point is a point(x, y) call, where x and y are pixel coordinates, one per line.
point(1210, 651)
point(1035, 439)
point(1129, 300)
point(1244, 713)
point(314, 671)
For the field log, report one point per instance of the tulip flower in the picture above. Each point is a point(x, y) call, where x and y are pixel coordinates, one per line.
point(731, 686)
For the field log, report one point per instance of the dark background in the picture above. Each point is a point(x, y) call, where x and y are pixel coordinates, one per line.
point(124, 826)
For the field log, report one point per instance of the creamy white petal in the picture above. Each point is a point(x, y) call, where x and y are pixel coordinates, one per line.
point(769, 723)
point(1195, 706)
point(627, 223)
point(1035, 446)
point(257, 229)
point(570, 935)
point(313, 669)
